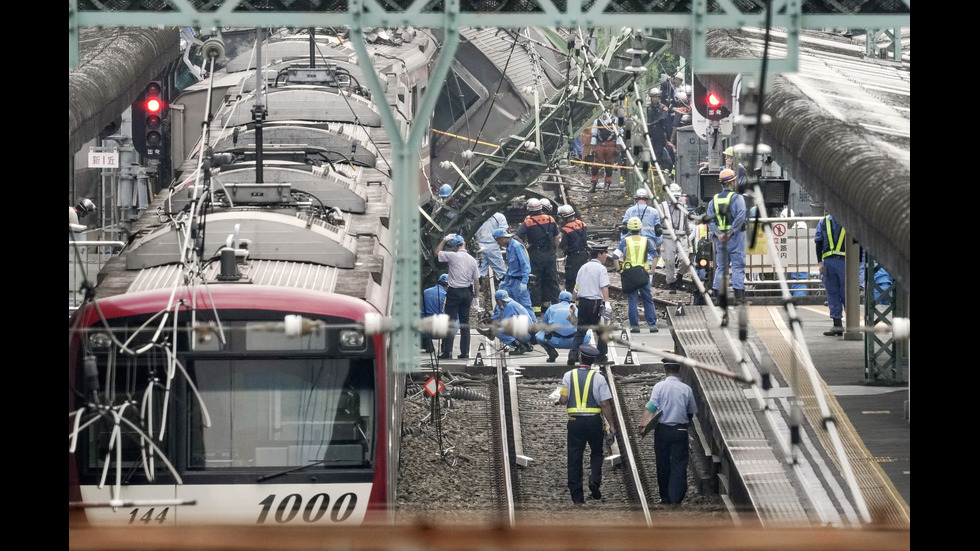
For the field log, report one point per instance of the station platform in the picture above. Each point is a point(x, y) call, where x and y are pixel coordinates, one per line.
point(876, 410)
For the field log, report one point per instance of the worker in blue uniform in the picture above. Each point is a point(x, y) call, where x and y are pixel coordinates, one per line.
point(726, 222)
point(518, 268)
point(433, 303)
point(636, 250)
point(647, 214)
point(586, 394)
point(674, 402)
point(505, 308)
point(540, 234)
point(830, 244)
point(561, 334)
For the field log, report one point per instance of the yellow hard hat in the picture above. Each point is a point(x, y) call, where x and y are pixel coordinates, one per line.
point(634, 224)
point(730, 152)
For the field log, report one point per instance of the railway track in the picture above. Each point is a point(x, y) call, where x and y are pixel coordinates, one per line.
point(470, 479)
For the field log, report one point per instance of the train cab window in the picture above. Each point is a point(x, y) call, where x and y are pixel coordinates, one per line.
point(276, 412)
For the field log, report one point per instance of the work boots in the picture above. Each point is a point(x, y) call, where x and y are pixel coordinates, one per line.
point(837, 330)
point(739, 296)
point(552, 352)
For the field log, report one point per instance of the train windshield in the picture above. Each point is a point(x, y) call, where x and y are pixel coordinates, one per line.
point(273, 412)
point(255, 400)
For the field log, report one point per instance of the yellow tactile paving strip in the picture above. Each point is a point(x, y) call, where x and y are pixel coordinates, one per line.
point(884, 502)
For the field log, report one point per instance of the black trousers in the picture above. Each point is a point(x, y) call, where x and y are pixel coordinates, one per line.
point(544, 285)
point(589, 313)
point(582, 430)
point(574, 261)
point(458, 301)
point(671, 447)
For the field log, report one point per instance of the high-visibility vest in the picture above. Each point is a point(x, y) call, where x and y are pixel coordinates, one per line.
point(832, 247)
point(581, 396)
point(721, 210)
point(636, 252)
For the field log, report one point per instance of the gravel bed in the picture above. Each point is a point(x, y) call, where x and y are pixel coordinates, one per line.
point(458, 487)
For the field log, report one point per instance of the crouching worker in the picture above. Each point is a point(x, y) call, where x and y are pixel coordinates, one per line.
point(563, 314)
point(507, 308)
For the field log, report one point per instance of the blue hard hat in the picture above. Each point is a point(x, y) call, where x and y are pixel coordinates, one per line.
point(444, 278)
point(445, 191)
point(501, 232)
point(457, 240)
point(565, 296)
point(501, 295)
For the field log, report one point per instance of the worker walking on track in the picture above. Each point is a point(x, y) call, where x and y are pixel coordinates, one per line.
point(639, 259)
point(575, 243)
point(587, 395)
point(726, 221)
point(540, 233)
point(674, 402)
point(831, 247)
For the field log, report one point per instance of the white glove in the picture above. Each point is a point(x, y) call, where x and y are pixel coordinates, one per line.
point(607, 311)
point(476, 303)
point(449, 236)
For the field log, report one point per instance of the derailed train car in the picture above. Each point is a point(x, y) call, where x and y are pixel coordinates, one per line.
point(218, 372)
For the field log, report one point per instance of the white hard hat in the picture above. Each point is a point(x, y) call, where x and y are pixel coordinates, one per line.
point(675, 190)
point(545, 203)
point(534, 204)
point(642, 193)
point(566, 210)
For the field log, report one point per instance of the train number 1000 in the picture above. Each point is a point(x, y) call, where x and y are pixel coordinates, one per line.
point(317, 506)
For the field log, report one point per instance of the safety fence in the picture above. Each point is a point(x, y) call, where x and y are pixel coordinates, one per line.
point(85, 260)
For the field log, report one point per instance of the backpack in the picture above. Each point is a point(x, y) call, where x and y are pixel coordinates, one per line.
point(605, 134)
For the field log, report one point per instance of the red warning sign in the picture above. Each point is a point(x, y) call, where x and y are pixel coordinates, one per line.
point(779, 229)
point(432, 388)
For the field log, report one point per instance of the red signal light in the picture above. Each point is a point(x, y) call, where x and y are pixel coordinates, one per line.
point(153, 105)
point(713, 100)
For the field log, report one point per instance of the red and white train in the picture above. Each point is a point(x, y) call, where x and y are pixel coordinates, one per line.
point(219, 373)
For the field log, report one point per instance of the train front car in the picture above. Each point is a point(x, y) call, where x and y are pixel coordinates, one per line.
point(230, 415)
point(221, 374)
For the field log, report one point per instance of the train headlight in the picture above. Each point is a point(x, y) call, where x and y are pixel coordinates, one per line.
point(99, 340)
point(351, 340)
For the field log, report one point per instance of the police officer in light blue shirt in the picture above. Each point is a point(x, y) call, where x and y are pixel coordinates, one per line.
point(673, 403)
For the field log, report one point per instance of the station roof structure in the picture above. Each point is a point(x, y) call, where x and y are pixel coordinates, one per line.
point(846, 138)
